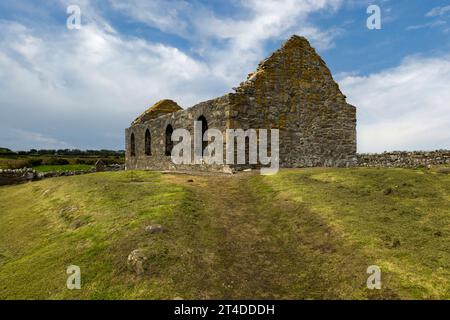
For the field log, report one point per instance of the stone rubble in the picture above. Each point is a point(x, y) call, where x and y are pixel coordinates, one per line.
point(137, 261)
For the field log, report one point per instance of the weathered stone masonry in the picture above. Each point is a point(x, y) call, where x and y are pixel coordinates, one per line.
point(292, 90)
point(405, 159)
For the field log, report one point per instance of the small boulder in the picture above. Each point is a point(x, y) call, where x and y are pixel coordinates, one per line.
point(77, 223)
point(154, 228)
point(227, 169)
point(137, 261)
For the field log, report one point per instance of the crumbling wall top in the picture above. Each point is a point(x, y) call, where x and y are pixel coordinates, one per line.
point(160, 108)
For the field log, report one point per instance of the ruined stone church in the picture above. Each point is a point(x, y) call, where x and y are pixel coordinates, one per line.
point(292, 91)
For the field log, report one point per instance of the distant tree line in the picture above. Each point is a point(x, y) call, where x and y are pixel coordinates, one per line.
point(6, 151)
point(63, 152)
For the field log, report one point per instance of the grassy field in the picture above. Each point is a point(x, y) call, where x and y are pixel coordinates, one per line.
point(59, 168)
point(300, 234)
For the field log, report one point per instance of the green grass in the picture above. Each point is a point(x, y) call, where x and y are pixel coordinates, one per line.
point(59, 168)
point(406, 232)
point(301, 234)
point(38, 239)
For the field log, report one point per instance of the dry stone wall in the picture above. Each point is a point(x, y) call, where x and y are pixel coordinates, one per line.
point(404, 159)
point(15, 176)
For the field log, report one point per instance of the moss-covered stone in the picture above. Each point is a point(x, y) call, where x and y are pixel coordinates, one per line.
point(160, 108)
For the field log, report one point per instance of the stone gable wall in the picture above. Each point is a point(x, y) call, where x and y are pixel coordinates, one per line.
point(294, 91)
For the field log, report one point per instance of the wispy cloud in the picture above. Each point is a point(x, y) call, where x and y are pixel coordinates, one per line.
point(438, 11)
point(171, 16)
point(30, 139)
point(433, 24)
point(243, 36)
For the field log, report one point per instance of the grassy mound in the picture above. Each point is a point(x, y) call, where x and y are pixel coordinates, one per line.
point(301, 234)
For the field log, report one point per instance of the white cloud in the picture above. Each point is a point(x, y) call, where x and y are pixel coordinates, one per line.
point(438, 11)
point(167, 15)
point(62, 88)
point(404, 108)
point(243, 37)
point(85, 86)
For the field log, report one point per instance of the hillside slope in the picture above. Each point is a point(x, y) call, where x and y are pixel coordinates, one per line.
point(301, 234)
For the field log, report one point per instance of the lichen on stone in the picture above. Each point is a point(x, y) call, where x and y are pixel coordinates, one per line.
point(162, 107)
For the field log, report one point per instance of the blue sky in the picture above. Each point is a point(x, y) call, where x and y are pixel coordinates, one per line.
point(62, 88)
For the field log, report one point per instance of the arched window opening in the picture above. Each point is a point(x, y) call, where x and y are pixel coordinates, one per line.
point(202, 119)
point(132, 145)
point(148, 143)
point(169, 142)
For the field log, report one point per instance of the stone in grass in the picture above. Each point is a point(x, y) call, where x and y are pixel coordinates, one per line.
point(386, 239)
point(137, 261)
point(444, 170)
point(155, 228)
point(77, 223)
point(387, 191)
point(396, 243)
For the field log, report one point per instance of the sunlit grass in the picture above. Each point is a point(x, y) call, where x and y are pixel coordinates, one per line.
point(61, 168)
